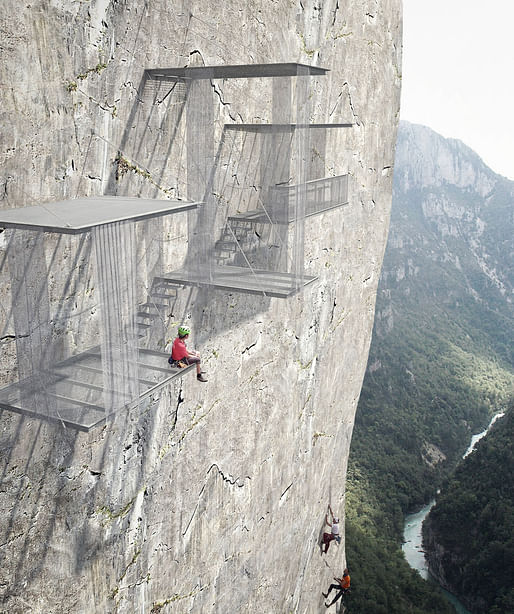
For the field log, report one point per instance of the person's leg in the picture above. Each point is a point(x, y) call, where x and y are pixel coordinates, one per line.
point(335, 586)
point(326, 541)
point(338, 596)
point(194, 360)
point(329, 538)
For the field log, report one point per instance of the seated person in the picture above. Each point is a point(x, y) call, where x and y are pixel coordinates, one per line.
point(180, 353)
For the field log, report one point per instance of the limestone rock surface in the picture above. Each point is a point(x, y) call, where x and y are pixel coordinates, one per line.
point(207, 497)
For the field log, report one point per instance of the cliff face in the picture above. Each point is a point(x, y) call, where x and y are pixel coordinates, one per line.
point(207, 497)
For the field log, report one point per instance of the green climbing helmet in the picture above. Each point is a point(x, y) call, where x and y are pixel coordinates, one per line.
point(183, 331)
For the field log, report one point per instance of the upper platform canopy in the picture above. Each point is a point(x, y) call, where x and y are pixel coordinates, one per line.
point(279, 128)
point(237, 71)
point(82, 214)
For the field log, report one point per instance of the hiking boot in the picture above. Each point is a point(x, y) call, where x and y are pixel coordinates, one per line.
point(201, 378)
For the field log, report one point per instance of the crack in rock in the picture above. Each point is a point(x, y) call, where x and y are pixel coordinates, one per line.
point(332, 312)
point(249, 347)
point(218, 92)
point(12, 337)
point(282, 495)
point(334, 13)
point(229, 479)
point(180, 400)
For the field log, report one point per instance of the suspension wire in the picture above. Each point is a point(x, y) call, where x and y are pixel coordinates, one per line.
point(244, 179)
point(84, 164)
point(247, 261)
point(272, 224)
point(274, 230)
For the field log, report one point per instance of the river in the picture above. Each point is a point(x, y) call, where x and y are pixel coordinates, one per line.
point(412, 546)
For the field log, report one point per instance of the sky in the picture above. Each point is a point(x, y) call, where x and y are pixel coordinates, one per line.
point(458, 74)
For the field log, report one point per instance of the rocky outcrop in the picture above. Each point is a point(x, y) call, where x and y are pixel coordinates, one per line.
point(441, 561)
point(427, 159)
point(205, 498)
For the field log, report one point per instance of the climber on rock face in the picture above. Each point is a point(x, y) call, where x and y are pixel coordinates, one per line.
point(334, 533)
point(343, 587)
point(180, 353)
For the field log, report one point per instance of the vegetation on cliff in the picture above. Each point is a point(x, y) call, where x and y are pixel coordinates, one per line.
point(440, 361)
point(470, 531)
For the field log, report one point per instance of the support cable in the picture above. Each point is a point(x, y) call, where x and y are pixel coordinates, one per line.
point(247, 261)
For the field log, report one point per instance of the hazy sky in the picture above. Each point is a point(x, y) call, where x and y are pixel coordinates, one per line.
point(458, 74)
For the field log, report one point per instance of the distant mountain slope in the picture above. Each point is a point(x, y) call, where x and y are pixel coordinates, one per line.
point(451, 238)
point(441, 359)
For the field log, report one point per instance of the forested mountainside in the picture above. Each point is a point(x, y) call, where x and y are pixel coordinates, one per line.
point(469, 534)
point(441, 358)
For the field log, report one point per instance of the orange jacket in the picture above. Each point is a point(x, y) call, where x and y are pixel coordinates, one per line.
point(345, 582)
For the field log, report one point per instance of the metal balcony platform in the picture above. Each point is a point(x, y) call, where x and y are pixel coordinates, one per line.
point(236, 71)
point(241, 279)
point(71, 392)
point(258, 216)
point(320, 195)
point(82, 214)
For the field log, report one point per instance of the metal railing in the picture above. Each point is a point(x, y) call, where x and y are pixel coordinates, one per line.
point(320, 195)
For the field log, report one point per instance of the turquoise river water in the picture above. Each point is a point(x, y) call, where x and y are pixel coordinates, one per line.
point(412, 546)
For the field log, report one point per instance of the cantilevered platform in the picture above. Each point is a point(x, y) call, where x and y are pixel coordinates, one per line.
point(240, 279)
point(320, 195)
point(237, 71)
point(82, 214)
point(259, 216)
point(72, 392)
point(279, 128)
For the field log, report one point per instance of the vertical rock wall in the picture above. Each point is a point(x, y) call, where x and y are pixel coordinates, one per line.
point(208, 497)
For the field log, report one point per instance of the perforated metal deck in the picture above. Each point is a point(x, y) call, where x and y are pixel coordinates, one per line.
point(72, 392)
point(241, 279)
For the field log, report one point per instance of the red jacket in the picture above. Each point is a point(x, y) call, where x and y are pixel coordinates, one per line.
point(179, 349)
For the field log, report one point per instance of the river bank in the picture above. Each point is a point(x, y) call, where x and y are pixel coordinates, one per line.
point(412, 534)
point(413, 552)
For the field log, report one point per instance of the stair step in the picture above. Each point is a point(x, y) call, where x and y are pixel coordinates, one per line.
point(163, 281)
point(238, 227)
point(226, 246)
point(154, 306)
point(146, 314)
point(157, 295)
